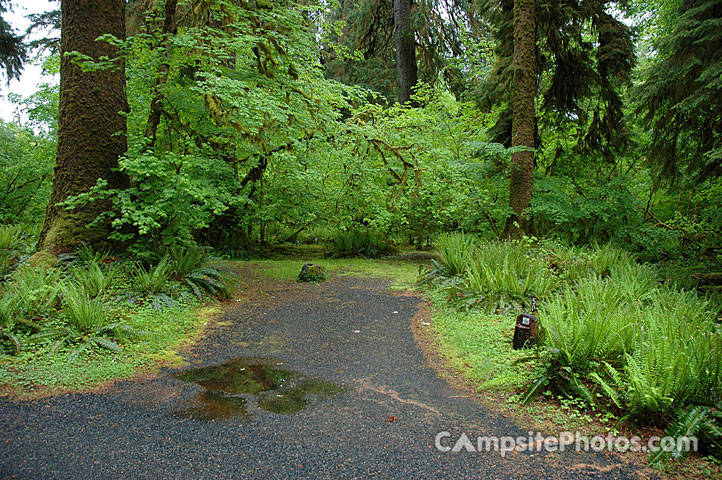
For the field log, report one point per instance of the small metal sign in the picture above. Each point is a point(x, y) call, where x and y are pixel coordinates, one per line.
point(527, 328)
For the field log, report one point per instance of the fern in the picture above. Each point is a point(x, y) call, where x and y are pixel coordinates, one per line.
point(351, 243)
point(89, 324)
point(535, 389)
point(185, 260)
point(9, 313)
point(698, 421)
point(201, 273)
point(84, 313)
point(153, 279)
point(615, 388)
point(93, 279)
point(457, 252)
point(12, 239)
point(37, 289)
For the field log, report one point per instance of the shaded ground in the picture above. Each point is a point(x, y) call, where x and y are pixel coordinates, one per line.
point(347, 332)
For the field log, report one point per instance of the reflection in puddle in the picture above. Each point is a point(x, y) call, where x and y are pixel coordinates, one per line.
point(276, 390)
point(210, 405)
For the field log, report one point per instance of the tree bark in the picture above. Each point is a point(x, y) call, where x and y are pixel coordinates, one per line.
point(405, 41)
point(91, 131)
point(156, 104)
point(523, 117)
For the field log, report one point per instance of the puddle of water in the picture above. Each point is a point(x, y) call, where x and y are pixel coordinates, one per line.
point(210, 406)
point(227, 387)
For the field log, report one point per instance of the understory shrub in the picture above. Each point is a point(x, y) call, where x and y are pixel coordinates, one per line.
point(28, 300)
point(458, 251)
point(508, 273)
point(37, 290)
point(359, 243)
point(89, 322)
point(10, 340)
point(153, 279)
point(647, 348)
point(80, 302)
point(11, 246)
point(94, 279)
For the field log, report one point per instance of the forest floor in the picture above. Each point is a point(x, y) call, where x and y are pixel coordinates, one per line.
point(329, 380)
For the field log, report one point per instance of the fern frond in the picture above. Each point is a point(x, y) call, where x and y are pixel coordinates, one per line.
point(534, 390)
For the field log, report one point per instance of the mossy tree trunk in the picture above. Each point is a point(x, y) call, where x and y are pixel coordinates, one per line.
point(156, 104)
point(405, 43)
point(91, 131)
point(523, 117)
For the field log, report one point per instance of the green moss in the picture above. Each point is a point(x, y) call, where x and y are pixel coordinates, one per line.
point(69, 228)
point(43, 259)
point(312, 273)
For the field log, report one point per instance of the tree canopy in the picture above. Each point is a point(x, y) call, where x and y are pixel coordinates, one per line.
point(256, 122)
point(12, 50)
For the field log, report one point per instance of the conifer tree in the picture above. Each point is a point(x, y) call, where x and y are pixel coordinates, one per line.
point(91, 129)
point(12, 51)
point(680, 96)
point(582, 52)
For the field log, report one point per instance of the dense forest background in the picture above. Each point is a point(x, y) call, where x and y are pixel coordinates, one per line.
point(257, 122)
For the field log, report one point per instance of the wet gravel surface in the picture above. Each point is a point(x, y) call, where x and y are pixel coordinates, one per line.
point(352, 332)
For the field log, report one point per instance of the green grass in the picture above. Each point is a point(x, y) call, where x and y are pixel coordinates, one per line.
point(478, 344)
point(36, 370)
point(403, 275)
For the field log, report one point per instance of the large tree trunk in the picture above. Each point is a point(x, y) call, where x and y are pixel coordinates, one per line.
point(523, 117)
point(156, 104)
point(405, 49)
point(91, 133)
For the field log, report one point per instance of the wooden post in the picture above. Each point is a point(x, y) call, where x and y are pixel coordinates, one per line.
point(526, 329)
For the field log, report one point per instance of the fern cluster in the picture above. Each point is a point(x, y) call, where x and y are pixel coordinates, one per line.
point(76, 305)
point(11, 247)
point(647, 348)
point(700, 421)
point(611, 332)
point(499, 276)
point(353, 243)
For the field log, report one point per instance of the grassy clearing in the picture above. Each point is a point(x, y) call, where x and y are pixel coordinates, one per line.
point(477, 343)
point(403, 275)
